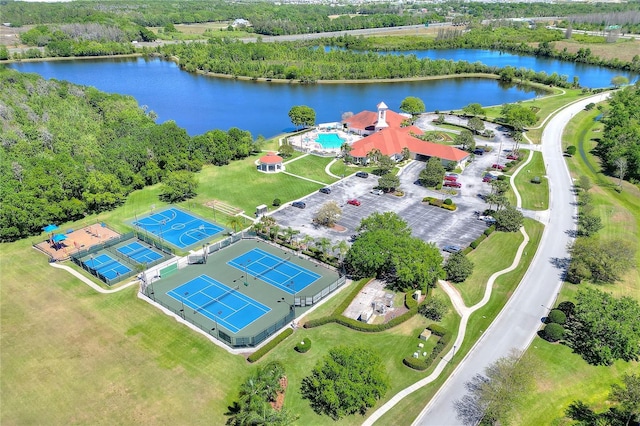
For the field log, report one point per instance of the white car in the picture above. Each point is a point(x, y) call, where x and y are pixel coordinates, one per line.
point(377, 191)
point(487, 219)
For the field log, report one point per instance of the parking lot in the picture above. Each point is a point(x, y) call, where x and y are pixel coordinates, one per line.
point(428, 223)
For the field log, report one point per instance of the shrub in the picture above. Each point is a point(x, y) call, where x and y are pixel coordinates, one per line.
point(489, 230)
point(553, 332)
point(433, 309)
point(448, 201)
point(276, 202)
point(557, 316)
point(272, 344)
point(475, 243)
point(567, 307)
point(303, 346)
point(439, 186)
point(571, 150)
point(503, 177)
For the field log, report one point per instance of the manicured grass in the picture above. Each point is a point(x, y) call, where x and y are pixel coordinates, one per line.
point(535, 196)
point(564, 376)
point(312, 167)
point(339, 168)
point(71, 355)
point(493, 254)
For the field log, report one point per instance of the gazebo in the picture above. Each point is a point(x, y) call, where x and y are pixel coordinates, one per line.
point(270, 163)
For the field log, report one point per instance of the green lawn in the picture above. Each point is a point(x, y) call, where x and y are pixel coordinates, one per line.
point(534, 196)
point(493, 254)
point(565, 376)
point(312, 167)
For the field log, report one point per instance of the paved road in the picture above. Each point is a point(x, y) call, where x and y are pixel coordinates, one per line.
point(516, 325)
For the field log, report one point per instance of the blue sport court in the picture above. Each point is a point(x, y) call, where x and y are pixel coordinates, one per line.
point(275, 270)
point(224, 305)
point(139, 253)
point(178, 227)
point(107, 266)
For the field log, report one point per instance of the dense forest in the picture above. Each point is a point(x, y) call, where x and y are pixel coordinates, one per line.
point(271, 18)
point(619, 147)
point(70, 150)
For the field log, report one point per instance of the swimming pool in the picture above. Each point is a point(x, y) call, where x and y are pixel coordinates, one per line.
point(329, 140)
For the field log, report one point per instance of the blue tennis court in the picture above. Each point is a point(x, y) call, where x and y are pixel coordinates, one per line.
point(275, 270)
point(107, 266)
point(178, 227)
point(224, 305)
point(139, 253)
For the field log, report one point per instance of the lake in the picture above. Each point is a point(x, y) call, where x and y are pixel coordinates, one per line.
point(199, 103)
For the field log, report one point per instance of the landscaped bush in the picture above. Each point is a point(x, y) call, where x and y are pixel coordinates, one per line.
point(567, 307)
point(276, 202)
point(475, 243)
point(443, 341)
point(571, 150)
point(557, 316)
point(303, 346)
point(448, 201)
point(503, 177)
point(439, 203)
point(553, 332)
point(490, 230)
point(272, 344)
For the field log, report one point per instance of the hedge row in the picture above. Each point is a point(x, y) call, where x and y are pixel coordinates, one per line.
point(423, 364)
point(439, 203)
point(353, 324)
point(272, 344)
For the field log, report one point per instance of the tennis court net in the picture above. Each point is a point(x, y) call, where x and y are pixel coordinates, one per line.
point(216, 299)
point(282, 262)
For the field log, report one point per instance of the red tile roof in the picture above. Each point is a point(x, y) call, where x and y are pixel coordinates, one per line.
point(270, 159)
point(366, 120)
point(390, 141)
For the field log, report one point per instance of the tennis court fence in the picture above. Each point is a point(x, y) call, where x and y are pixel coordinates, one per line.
point(107, 246)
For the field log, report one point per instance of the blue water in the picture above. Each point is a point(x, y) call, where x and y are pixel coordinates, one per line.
point(329, 140)
point(199, 103)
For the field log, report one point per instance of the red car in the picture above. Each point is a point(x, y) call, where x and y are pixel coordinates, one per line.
point(452, 184)
point(497, 166)
point(354, 202)
point(450, 178)
point(512, 157)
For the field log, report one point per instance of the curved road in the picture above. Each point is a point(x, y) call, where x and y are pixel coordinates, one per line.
point(518, 322)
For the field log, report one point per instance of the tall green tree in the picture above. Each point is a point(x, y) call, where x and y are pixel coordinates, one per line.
point(458, 267)
point(604, 328)
point(433, 173)
point(473, 109)
point(465, 140)
point(600, 261)
point(178, 186)
point(302, 115)
point(412, 105)
point(347, 381)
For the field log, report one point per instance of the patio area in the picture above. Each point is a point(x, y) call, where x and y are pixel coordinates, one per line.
point(323, 140)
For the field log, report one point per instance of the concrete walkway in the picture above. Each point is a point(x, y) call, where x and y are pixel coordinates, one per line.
point(90, 283)
point(327, 169)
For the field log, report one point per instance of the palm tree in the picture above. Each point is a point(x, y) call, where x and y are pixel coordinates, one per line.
point(374, 155)
point(289, 233)
point(235, 222)
point(342, 247)
point(323, 244)
point(306, 240)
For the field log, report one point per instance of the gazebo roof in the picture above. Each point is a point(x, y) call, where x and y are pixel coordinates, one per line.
point(270, 159)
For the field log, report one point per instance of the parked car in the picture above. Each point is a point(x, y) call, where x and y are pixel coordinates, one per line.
point(487, 178)
point(299, 204)
point(488, 219)
point(353, 202)
point(497, 166)
point(450, 178)
point(455, 175)
point(452, 249)
point(362, 175)
point(512, 157)
point(325, 190)
point(478, 151)
point(377, 191)
point(452, 184)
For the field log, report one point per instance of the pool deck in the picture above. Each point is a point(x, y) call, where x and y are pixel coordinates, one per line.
point(306, 142)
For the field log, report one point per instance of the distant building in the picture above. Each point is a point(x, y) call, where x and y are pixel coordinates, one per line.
point(384, 132)
point(241, 23)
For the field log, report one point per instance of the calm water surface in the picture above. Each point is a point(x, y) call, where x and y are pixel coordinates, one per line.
point(199, 103)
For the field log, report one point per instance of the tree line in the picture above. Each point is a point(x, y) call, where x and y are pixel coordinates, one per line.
point(69, 151)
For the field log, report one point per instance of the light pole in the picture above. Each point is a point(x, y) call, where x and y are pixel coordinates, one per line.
point(245, 272)
point(186, 293)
